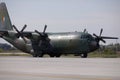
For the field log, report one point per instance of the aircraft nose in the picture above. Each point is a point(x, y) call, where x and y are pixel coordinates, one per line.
point(94, 43)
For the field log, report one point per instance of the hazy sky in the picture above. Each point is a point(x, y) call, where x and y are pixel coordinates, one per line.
point(67, 15)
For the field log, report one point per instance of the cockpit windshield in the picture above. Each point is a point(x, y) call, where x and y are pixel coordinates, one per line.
point(86, 36)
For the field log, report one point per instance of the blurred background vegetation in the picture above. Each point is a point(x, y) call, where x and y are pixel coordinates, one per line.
point(107, 51)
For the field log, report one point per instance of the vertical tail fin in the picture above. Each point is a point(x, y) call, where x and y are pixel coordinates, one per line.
point(5, 23)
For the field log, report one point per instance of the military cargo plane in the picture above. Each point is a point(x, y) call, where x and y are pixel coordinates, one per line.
point(54, 44)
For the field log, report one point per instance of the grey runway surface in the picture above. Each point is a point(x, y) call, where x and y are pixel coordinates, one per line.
point(28, 68)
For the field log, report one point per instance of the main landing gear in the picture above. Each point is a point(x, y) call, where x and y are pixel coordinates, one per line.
point(38, 55)
point(84, 55)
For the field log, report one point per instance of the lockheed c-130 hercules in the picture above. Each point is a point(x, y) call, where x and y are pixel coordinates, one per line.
point(54, 44)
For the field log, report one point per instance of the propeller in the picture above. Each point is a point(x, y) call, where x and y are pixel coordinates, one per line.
point(101, 38)
point(43, 35)
point(19, 33)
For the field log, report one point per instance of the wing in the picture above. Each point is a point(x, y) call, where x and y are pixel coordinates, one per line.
point(30, 35)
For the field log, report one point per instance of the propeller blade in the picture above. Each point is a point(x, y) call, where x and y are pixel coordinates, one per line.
point(104, 37)
point(38, 32)
point(101, 32)
point(23, 28)
point(18, 32)
point(44, 29)
point(24, 39)
point(84, 30)
point(103, 40)
point(16, 29)
point(95, 35)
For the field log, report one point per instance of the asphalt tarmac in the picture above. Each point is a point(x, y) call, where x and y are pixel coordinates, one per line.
point(29, 68)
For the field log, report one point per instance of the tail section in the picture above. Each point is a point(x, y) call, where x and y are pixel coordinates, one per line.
point(5, 23)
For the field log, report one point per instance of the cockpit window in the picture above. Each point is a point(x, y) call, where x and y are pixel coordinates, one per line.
point(86, 36)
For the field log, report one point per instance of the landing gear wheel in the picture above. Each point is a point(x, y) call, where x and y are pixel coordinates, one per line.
point(58, 55)
point(40, 55)
point(51, 55)
point(34, 55)
point(84, 55)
